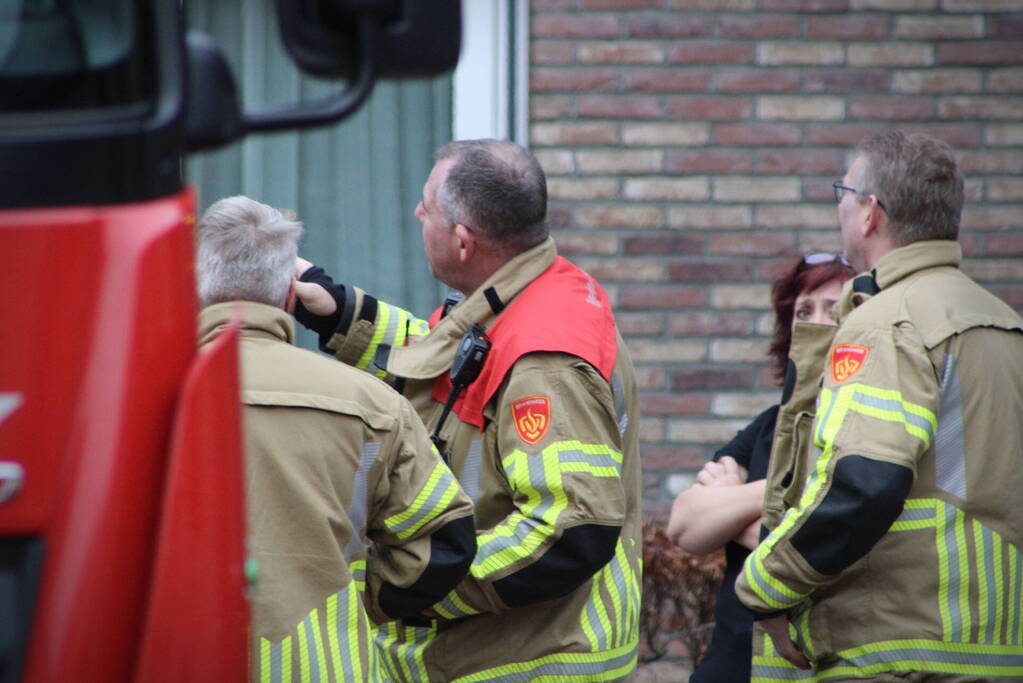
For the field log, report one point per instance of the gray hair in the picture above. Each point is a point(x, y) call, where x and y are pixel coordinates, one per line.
point(497, 187)
point(245, 252)
point(918, 180)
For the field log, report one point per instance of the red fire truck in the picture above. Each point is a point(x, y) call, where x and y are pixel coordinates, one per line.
point(122, 552)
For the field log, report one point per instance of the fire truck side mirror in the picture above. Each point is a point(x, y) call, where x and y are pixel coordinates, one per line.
point(212, 117)
point(412, 38)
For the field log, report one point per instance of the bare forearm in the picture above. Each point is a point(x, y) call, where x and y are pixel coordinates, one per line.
point(704, 518)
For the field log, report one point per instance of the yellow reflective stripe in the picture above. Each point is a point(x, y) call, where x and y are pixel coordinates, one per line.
point(417, 327)
point(332, 637)
point(892, 407)
point(318, 643)
point(264, 661)
point(438, 491)
point(399, 332)
point(1000, 591)
point(983, 589)
point(578, 667)
point(964, 574)
point(586, 621)
point(380, 329)
point(944, 580)
point(286, 659)
point(522, 533)
point(303, 655)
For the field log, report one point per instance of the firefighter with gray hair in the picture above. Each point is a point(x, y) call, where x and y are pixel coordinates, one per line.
point(353, 517)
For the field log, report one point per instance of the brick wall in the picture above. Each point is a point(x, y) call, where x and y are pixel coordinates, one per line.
point(690, 147)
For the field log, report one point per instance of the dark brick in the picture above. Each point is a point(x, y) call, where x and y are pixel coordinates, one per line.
point(673, 404)
point(712, 377)
point(833, 81)
point(674, 25)
point(703, 270)
point(661, 243)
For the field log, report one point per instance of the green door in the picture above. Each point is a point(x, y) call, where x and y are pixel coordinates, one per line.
point(354, 184)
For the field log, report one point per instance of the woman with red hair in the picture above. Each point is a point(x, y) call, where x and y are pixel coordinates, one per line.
point(723, 506)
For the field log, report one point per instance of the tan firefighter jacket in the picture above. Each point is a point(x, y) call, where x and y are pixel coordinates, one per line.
point(344, 491)
point(896, 544)
point(554, 592)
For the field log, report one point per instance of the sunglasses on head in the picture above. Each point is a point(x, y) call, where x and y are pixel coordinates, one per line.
point(824, 257)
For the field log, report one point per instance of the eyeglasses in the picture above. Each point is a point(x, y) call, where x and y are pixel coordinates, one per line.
point(824, 257)
point(840, 188)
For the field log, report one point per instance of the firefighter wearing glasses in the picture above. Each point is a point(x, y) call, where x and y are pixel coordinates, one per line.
point(896, 551)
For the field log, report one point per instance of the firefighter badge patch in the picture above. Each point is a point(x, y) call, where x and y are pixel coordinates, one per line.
point(532, 416)
point(847, 360)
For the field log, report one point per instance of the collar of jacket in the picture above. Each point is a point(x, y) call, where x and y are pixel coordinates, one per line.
point(430, 356)
point(256, 320)
point(897, 265)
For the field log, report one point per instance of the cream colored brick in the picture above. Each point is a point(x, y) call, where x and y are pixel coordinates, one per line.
point(703, 431)
point(676, 134)
point(800, 108)
point(740, 296)
point(1001, 189)
point(582, 188)
point(619, 161)
point(667, 188)
point(939, 27)
point(891, 54)
point(714, 5)
point(573, 133)
point(754, 189)
point(578, 242)
point(741, 404)
point(623, 270)
point(937, 80)
point(796, 216)
point(800, 54)
point(652, 430)
point(621, 52)
point(891, 5)
point(555, 160)
point(982, 5)
point(709, 217)
point(738, 350)
point(1004, 134)
point(673, 351)
point(620, 216)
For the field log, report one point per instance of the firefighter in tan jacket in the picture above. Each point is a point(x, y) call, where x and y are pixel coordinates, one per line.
point(353, 518)
point(896, 535)
point(544, 440)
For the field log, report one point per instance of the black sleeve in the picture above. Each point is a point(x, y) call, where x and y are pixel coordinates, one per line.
point(323, 325)
point(452, 549)
point(865, 497)
point(575, 557)
point(741, 447)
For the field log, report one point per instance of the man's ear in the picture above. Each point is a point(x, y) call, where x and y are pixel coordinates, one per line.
point(466, 241)
point(289, 300)
point(874, 220)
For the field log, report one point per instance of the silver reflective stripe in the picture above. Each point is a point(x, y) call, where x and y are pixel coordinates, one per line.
point(440, 488)
point(560, 671)
point(783, 673)
point(594, 459)
point(763, 582)
point(276, 674)
point(915, 514)
point(899, 657)
point(538, 480)
point(950, 456)
point(347, 619)
point(469, 477)
point(894, 406)
point(310, 648)
point(593, 616)
point(618, 576)
point(618, 393)
point(357, 507)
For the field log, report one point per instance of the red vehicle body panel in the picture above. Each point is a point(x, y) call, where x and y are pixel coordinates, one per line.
point(93, 416)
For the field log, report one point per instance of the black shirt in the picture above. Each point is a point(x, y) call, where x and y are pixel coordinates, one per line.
point(731, 645)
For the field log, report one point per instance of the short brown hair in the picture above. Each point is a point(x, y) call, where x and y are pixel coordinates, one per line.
point(918, 180)
point(801, 277)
